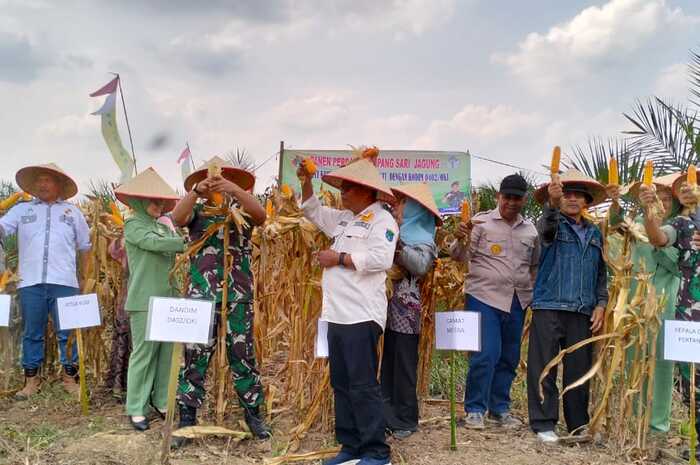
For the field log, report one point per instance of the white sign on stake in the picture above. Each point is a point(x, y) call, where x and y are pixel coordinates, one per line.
point(78, 311)
point(458, 330)
point(179, 320)
point(321, 347)
point(5, 310)
point(682, 341)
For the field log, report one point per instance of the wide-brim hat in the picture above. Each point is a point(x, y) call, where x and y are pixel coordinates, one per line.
point(420, 192)
point(361, 172)
point(678, 182)
point(575, 179)
point(244, 179)
point(666, 181)
point(26, 176)
point(148, 186)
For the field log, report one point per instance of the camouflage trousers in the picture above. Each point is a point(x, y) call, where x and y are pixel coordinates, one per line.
point(241, 359)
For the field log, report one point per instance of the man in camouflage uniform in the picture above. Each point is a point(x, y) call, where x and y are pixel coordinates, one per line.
point(207, 276)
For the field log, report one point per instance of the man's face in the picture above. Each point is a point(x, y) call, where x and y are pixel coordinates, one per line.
point(573, 203)
point(510, 205)
point(47, 187)
point(354, 196)
point(455, 187)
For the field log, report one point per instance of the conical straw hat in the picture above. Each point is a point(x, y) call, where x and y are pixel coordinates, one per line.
point(146, 186)
point(26, 176)
point(572, 176)
point(242, 178)
point(361, 172)
point(666, 181)
point(420, 192)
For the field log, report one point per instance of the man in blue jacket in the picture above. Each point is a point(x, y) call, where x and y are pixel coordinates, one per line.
point(569, 300)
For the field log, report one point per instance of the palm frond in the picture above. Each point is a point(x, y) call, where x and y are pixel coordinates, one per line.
point(240, 158)
point(694, 71)
point(594, 158)
point(660, 134)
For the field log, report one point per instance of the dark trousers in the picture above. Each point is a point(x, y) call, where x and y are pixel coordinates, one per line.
point(399, 379)
point(492, 370)
point(550, 332)
point(359, 416)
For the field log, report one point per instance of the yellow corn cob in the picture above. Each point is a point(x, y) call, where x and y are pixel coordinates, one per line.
point(556, 158)
point(466, 211)
point(612, 172)
point(10, 201)
point(215, 198)
point(648, 173)
point(4, 279)
point(268, 208)
point(692, 176)
point(309, 166)
point(116, 215)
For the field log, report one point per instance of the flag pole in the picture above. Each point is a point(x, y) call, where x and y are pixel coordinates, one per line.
point(187, 144)
point(128, 127)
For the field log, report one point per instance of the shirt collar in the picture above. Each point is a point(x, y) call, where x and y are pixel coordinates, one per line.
point(496, 215)
point(573, 222)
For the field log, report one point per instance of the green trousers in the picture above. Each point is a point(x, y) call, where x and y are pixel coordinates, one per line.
point(149, 367)
point(660, 419)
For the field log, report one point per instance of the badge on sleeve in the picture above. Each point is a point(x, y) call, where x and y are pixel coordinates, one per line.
point(389, 235)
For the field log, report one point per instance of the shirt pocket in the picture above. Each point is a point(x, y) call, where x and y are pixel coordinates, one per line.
point(357, 230)
point(494, 245)
point(28, 219)
point(526, 247)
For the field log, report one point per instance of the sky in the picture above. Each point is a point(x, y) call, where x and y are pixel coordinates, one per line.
point(505, 79)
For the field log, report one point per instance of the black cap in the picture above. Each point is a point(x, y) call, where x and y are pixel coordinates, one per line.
point(581, 188)
point(513, 185)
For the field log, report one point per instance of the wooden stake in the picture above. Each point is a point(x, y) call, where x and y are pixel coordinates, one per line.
point(693, 432)
point(172, 390)
point(81, 372)
point(221, 354)
point(453, 412)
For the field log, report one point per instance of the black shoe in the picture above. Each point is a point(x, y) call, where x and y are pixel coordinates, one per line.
point(139, 425)
point(256, 424)
point(158, 413)
point(188, 417)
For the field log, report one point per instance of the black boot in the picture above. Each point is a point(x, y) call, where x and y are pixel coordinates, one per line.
point(188, 417)
point(256, 423)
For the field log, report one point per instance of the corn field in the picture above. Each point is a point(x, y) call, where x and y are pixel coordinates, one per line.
point(288, 304)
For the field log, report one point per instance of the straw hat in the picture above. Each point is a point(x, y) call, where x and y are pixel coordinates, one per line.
point(420, 192)
point(147, 186)
point(361, 172)
point(26, 176)
point(242, 178)
point(666, 181)
point(571, 178)
point(678, 182)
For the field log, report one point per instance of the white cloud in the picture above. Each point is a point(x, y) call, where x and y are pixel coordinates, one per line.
point(69, 126)
point(322, 110)
point(476, 123)
point(596, 38)
point(673, 82)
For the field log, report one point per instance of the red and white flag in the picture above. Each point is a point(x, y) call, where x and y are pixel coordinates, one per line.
point(184, 155)
point(108, 88)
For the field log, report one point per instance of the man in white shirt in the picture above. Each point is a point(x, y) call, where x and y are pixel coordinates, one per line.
point(354, 304)
point(49, 232)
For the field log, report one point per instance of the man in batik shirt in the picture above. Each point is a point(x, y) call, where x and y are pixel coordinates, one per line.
point(207, 277)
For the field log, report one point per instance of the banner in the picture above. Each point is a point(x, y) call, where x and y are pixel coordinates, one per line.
point(447, 173)
point(110, 132)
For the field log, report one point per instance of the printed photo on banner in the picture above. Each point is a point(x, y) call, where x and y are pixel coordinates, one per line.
point(447, 173)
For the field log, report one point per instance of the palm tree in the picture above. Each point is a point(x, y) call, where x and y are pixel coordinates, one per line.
point(594, 158)
point(668, 133)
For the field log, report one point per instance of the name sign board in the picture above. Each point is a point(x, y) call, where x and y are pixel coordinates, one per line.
point(682, 341)
point(458, 330)
point(78, 311)
point(179, 320)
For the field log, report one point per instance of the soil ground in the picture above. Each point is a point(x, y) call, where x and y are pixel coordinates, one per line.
point(49, 429)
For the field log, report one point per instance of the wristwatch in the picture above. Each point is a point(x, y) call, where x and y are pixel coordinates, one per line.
point(194, 188)
point(341, 259)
